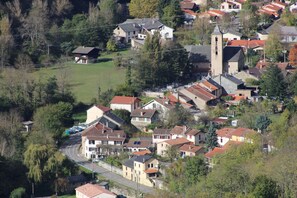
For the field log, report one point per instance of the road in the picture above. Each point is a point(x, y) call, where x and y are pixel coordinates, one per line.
point(70, 149)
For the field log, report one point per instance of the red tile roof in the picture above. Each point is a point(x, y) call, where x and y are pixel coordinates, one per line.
point(178, 141)
point(214, 152)
point(208, 85)
point(178, 130)
point(190, 148)
point(103, 108)
point(247, 44)
point(151, 170)
point(242, 132)
point(124, 100)
point(92, 190)
point(200, 92)
point(138, 143)
point(218, 13)
point(225, 132)
point(144, 152)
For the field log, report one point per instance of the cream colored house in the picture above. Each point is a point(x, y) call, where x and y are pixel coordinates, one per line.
point(141, 169)
point(230, 6)
point(162, 147)
point(93, 191)
point(190, 150)
point(96, 112)
point(125, 102)
point(232, 35)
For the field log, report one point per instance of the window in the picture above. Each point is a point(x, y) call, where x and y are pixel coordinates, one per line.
point(91, 141)
point(133, 32)
point(139, 165)
point(199, 137)
point(221, 140)
point(154, 105)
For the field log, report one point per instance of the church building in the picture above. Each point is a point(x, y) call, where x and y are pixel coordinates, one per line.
point(217, 58)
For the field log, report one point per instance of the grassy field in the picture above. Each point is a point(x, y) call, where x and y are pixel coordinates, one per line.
point(85, 79)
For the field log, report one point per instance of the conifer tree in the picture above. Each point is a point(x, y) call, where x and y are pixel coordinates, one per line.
point(211, 137)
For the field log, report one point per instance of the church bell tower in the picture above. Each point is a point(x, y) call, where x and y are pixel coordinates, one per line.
point(217, 52)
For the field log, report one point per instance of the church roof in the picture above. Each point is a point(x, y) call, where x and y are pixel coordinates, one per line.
point(232, 54)
point(217, 31)
point(199, 53)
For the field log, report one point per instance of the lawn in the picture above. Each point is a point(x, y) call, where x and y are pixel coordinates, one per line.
point(67, 196)
point(85, 79)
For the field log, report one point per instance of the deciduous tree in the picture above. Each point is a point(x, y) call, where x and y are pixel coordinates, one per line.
point(143, 9)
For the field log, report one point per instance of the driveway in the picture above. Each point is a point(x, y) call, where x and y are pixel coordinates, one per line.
point(70, 149)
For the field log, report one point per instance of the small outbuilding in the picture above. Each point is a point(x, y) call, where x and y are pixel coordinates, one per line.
point(85, 55)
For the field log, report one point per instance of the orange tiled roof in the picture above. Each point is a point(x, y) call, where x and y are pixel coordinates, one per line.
point(92, 190)
point(210, 86)
point(247, 44)
point(151, 170)
point(242, 132)
point(216, 13)
point(225, 132)
point(103, 108)
point(214, 152)
point(177, 141)
point(190, 148)
point(124, 100)
point(200, 92)
point(144, 152)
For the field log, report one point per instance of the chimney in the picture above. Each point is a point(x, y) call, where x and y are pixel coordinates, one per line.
point(141, 113)
point(106, 123)
point(184, 128)
point(143, 160)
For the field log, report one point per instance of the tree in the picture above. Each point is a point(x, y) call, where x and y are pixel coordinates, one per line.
point(42, 161)
point(195, 168)
point(203, 30)
point(178, 116)
point(172, 153)
point(273, 46)
point(262, 122)
point(124, 114)
point(6, 40)
point(18, 193)
point(248, 20)
point(211, 139)
point(143, 9)
point(108, 10)
point(272, 83)
point(263, 186)
point(111, 45)
point(293, 55)
point(172, 15)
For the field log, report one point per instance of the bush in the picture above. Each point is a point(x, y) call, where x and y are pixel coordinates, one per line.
point(18, 193)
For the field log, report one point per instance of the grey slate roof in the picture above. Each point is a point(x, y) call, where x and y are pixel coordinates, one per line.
point(109, 118)
point(130, 27)
point(143, 113)
point(199, 53)
point(217, 31)
point(137, 24)
point(232, 79)
point(161, 131)
point(142, 158)
point(83, 50)
point(113, 117)
point(232, 53)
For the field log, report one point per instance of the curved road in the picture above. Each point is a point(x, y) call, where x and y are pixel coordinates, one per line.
point(70, 149)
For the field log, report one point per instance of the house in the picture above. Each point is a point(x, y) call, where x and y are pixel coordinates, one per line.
point(199, 95)
point(162, 147)
point(190, 150)
point(93, 191)
point(28, 125)
point(143, 152)
point(190, 9)
point(160, 135)
point(141, 118)
point(234, 134)
point(125, 102)
point(162, 105)
point(193, 135)
point(274, 9)
point(231, 35)
point(212, 15)
point(99, 140)
point(231, 6)
point(141, 169)
point(136, 145)
point(229, 83)
point(256, 45)
point(96, 112)
point(287, 34)
point(215, 59)
point(85, 55)
point(211, 86)
point(139, 28)
point(293, 8)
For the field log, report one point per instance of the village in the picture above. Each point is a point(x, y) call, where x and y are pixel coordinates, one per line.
point(133, 98)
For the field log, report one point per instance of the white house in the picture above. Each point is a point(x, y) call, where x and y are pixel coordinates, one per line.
point(193, 135)
point(232, 35)
point(93, 191)
point(162, 105)
point(125, 102)
point(230, 6)
point(136, 145)
point(160, 135)
point(99, 140)
point(224, 135)
point(96, 112)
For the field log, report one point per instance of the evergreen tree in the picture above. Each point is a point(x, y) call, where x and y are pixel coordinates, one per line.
point(262, 122)
point(173, 15)
point(211, 137)
point(272, 83)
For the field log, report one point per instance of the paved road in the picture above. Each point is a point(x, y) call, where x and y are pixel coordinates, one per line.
point(70, 149)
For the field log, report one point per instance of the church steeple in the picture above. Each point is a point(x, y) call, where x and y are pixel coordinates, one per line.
point(217, 52)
